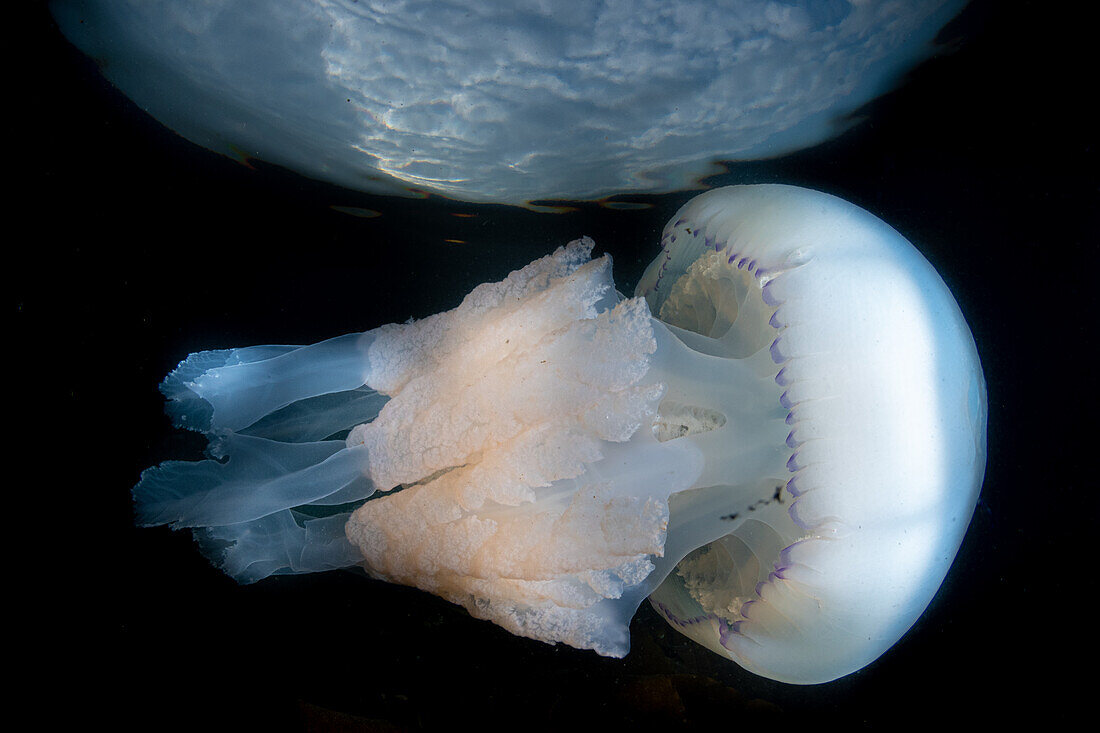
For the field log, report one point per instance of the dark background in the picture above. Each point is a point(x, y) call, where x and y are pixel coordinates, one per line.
point(138, 248)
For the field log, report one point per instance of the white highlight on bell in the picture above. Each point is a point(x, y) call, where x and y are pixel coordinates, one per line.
point(785, 459)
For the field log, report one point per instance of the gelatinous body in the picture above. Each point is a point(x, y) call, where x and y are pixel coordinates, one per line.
point(784, 459)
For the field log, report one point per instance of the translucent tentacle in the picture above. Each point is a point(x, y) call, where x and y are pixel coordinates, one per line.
point(267, 410)
point(232, 389)
point(319, 417)
point(259, 478)
point(283, 543)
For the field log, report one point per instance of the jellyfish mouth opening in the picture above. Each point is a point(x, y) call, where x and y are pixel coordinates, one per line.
point(726, 537)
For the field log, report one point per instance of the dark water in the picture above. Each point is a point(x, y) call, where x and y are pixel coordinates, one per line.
point(143, 248)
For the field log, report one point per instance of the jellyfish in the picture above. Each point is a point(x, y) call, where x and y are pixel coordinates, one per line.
point(779, 441)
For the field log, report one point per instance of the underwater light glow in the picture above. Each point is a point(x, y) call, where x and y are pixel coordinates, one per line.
point(503, 101)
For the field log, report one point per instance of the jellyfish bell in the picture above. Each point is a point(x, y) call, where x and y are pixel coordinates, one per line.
point(779, 440)
point(886, 407)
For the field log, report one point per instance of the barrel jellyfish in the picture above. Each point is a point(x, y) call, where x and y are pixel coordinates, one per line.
point(779, 440)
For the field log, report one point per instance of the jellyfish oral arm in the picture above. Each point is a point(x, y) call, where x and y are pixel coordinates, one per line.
point(558, 530)
point(523, 429)
point(244, 390)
